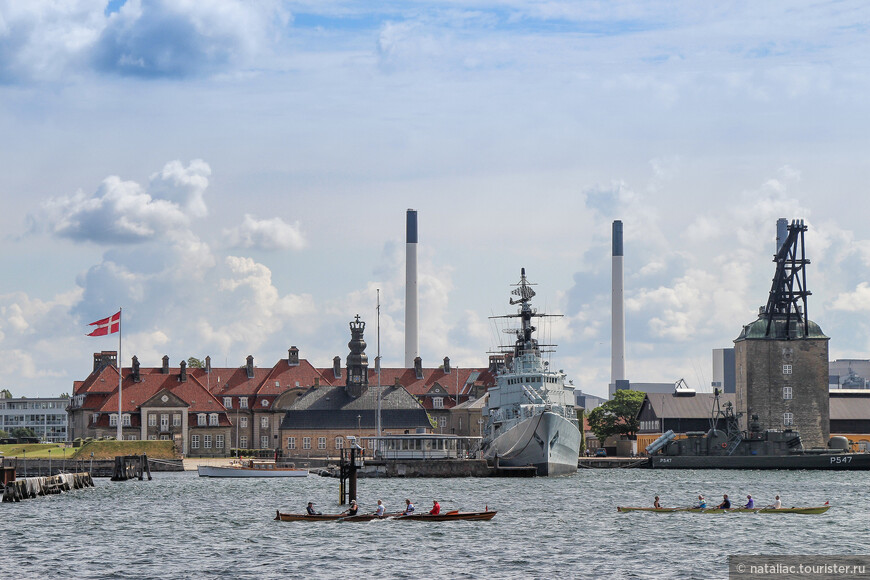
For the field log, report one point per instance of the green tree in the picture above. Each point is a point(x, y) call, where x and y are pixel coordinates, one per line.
point(3, 434)
point(20, 432)
point(618, 416)
point(5, 394)
point(194, 363)
point(64, 396)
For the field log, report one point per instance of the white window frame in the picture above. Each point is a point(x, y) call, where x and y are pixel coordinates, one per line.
point(264, 422)
point(113, 420)
point(200, 419)
point(291, 443)
point(194, 441)
point(243, 402)
point(228, 402)
point(321, 442)
point(206, 441)
point(243, 441)
point(306, 443)
point(786, 369)
point(339, 442)
point(264, 441)
point(243, 422)
point(164, 421)
point(176, 420)
point(219, 441)
point(152, 419)
point(437, 402)
point(788, 419)
point(125, 419)
point(787, 393)
point(213, 419)
point(442, 422)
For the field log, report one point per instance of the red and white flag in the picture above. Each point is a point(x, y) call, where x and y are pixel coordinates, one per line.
point(106, 326)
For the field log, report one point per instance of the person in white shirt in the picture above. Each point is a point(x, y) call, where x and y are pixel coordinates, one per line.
point(777, 504)
point(380, 511)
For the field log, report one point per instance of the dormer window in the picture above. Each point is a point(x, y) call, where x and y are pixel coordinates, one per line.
point(265, 403)
point(113, 420)
point(243, 402)
point(200, 419)
point(125, 419)
point(213, 419)
point(437, 402)
point(228, 402)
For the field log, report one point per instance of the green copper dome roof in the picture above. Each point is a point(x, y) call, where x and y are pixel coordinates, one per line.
point(756, 330)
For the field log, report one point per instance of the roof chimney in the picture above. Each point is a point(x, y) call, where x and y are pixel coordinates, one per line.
point(249, 366)
point(446, 364)
point(418, 367)
point(336, 367)
point(182, 376)
point(293, 356)
point(165, 369)
point(208, 364)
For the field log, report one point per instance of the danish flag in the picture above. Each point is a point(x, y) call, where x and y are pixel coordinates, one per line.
point(106, 326)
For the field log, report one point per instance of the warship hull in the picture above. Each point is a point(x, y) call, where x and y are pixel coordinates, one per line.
point(827, 461)
point(548, 441)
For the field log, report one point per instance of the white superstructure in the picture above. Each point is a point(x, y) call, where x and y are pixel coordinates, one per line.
point(530, 416)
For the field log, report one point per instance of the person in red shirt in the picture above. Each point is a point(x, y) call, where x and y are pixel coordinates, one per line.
point(436, 508)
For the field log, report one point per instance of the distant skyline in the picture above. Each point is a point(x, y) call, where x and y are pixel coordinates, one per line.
point(235, 175)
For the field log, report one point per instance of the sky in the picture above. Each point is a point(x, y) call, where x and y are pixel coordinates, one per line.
point(235, 176)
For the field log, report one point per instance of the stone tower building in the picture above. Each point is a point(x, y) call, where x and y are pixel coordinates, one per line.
point(781, 359)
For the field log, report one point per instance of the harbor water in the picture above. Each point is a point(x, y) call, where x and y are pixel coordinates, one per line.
point(182, 526)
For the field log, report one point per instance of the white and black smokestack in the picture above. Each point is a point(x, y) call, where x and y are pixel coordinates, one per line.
point(617, 349)
point(411, 345)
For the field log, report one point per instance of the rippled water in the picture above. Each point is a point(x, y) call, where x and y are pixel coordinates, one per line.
point(183, 526)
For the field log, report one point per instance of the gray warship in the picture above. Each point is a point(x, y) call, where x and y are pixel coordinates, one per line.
point(529, 413)
point(725, 446)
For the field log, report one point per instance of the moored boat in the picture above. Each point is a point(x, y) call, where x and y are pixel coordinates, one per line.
point(530, 415)
point(763, 510)
point(250, 468)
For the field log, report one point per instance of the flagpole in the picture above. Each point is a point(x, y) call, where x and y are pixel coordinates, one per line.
point(120, 378)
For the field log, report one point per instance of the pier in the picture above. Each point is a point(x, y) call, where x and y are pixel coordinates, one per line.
point(611, 462)
point(31, 487)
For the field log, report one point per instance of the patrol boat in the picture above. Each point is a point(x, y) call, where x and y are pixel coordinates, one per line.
point(530, 416)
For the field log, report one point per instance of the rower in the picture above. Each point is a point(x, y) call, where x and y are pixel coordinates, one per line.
point(777, 503)
point(656, 503)
point(409, 507)
point(702, 503)
point(726, 503)
point(436, 508)
point(310, 510)
point(750, 503)
point(351, 511)
point(380, 511)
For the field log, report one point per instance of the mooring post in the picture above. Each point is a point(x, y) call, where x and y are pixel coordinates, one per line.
point(353, 459)
point(342, 478)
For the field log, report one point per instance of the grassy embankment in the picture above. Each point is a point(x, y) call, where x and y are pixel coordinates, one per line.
point(100, 449)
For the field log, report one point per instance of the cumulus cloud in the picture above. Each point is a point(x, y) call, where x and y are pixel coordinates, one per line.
point(123, 212)
point(46, 40)
point(267, 234)
point(855, 301)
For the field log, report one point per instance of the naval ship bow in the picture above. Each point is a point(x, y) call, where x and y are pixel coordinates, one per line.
point(530, 416)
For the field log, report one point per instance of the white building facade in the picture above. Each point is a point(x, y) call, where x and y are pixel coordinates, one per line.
point(47, 417)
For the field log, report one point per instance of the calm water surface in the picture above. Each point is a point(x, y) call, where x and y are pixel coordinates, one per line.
point(183, 526)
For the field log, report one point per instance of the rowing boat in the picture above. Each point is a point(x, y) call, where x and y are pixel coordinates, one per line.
point(450, 516)
point(765, 510)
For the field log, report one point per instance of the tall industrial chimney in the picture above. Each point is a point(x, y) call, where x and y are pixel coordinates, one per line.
point(617, 348)
point(411, 345)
